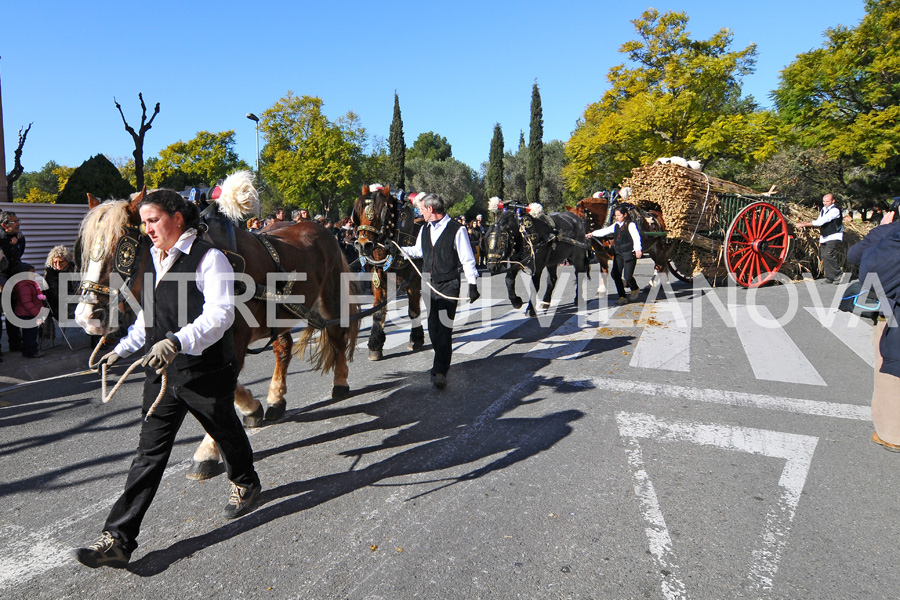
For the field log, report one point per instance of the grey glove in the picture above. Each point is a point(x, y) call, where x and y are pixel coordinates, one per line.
point(473, 293)
point(109, 359)
point(160, 356)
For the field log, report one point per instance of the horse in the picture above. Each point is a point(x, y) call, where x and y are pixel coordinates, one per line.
point(536, 242)
point(113, 248)
point(382, 223)
point(595, 213)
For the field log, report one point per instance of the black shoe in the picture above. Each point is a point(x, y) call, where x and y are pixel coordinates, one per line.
point(439, 380)
point(105, 552)
point(241, 500)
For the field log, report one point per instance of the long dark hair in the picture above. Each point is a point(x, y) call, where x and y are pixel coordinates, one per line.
point(171, 202)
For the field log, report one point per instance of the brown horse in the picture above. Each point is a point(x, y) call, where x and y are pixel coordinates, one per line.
point(382, 223)
point(114, 249)
point(594, 212)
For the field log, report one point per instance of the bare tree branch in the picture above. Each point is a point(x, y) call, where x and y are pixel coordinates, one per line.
point(18, 169)
point(138, 137)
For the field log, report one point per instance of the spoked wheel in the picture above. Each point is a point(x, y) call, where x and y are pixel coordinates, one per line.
point(756, 244)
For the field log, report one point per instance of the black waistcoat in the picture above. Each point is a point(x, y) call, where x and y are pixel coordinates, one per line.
point(623, 242)
point(168, 298)
point(830, 227)
point(441, 259)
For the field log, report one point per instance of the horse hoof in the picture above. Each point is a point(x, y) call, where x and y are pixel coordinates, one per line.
point(276, 411)
point(516, 303)
point(205, 469)
point(546, 304)
point(254, 419)
point(414, 346)
point(340, 392)
point(375, 355)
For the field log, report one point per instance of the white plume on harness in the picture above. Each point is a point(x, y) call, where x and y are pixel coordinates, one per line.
point(239, 197)
point(494, 204)
point(535, 210)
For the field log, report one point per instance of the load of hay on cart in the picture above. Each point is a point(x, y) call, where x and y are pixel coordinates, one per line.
point(717, 227)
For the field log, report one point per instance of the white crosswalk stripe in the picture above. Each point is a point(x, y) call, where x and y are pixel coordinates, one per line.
point(666, 340)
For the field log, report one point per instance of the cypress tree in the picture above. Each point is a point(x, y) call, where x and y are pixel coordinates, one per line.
point(397, 147)
point(495, 166)
point(534, 172)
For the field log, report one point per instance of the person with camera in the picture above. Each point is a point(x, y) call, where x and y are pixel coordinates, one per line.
point(876, 254)
point(444, 246)
point(831, 236)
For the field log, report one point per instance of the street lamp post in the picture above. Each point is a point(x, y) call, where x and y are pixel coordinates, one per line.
point(254, 118)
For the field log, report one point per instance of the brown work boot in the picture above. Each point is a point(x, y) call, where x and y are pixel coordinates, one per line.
point(887, 445)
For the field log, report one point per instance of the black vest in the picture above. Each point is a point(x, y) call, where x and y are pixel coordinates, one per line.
point(832, 226)
point(442, 259)
point(623, 242)
point(168, 298)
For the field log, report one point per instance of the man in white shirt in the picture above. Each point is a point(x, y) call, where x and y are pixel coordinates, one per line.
point(444, 245)
point(831, 236)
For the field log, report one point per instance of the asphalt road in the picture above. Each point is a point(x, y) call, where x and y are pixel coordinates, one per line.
point(685, 446)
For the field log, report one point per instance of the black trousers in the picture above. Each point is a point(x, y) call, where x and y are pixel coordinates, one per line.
point(441, 313)
point(217, 416)
point(828, 253)
point(623, 268)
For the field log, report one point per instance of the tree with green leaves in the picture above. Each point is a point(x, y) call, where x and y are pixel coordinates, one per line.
point(97, 176)
point(844, 98)
point(534, 166)
point(311, 161)
point(681, 97)
point(197, 162)
point(398, 148)
point(450, 178)
point(431, 146)
point(494, 181)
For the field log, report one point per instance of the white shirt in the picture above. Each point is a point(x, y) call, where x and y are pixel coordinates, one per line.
point(632, 229)
point(215, 279)
point(829, 214)
point(460, 242)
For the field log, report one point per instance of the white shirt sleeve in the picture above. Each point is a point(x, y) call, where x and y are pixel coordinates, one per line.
point(635, 235)
point(466, 256)
point(415, 251)
point(831, 214)
point(134, 339)
point(605, 231)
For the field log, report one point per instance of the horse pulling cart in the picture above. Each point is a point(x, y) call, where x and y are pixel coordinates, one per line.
point(714, 227)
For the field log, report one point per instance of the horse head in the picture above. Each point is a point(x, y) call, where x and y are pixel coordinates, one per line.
point(113, 254)
point(374, 217)
point(503, 241)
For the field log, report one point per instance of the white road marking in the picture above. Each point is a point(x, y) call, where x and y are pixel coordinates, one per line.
point(796, 450)
point(571, 338)
point(854, 332)
point(472, 341)
point(665, 342)
point(773, 355)
point(742, 399)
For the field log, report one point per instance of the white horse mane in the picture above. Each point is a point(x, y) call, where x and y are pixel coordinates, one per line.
point(239, 197)
point(107, 222)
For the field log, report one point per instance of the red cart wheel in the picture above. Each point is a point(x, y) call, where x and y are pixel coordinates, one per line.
point(756, 244)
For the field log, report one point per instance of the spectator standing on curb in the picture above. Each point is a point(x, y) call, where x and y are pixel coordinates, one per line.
point(874, 255)
point(831, 236)
point(12, 243)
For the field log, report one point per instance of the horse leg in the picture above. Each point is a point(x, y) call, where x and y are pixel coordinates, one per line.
point(276, 404)
point(205, 463)
point(533, 292)
point(377, 335)
point(551, 284)
point(511, 287)
point(417, 332)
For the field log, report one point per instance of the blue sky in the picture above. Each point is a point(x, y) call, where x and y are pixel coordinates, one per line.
point(458, 67)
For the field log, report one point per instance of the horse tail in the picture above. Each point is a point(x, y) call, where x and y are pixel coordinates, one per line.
point(337, 340)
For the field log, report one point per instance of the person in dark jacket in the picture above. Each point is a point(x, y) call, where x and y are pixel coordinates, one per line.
point(444, 245)
point(60, 266)
point(877, 254)
point(627, 250)
point(196, 351)
point(12, 244)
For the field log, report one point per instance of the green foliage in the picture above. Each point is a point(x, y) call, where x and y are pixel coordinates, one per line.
point(45, 181)
point(461, 207)
point(845, 96)
point(308, 159)
point(534, 166)
point(450, 178)
point(494, 180)
point(97, 176)
point(682, 98)
point(197, 162)
point(514, 173)
point(431, 146)
point(553, 190)
point(397, 146)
